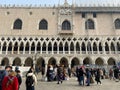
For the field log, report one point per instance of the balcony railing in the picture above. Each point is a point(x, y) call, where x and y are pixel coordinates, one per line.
point(60, 52)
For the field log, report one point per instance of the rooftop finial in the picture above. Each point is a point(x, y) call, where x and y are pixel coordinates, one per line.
point(66, 2)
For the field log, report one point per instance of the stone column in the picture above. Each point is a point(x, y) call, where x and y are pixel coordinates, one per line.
point(57, 49)
point(80, 50)
point(98, 52)
point(63, 50)
point(24, 50)
point(35, 48)
point(104, 49)
point(6, 50)
point(46, 66)
point(69, 49)
point(69, 64)
point(74, 50)
point(109, 50)
point(1, 49)
point(40, 49)
point(18, 50)
point(12, 49)
point(29, 49)
point(46, 49)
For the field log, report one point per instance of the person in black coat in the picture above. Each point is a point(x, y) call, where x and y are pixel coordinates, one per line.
point(97, 76)
point(19, 77)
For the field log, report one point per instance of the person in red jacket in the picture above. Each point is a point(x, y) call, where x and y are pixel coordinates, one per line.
point(10, 82)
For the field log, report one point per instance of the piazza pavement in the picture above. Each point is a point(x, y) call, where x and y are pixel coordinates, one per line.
point(72, 84)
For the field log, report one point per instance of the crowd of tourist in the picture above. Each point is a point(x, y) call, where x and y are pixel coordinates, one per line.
point(11, 79)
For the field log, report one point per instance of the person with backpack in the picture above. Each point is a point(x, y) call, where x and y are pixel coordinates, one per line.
point(19, 77)
point(4, 73)
point(31, 80)
point(10, 82)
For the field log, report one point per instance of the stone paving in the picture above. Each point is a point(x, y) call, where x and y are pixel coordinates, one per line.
point(72, 84)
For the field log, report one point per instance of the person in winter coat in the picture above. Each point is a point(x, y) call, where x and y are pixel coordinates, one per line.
point(10, 82)
point(98, 76)
point(19, 77)
point(88, 76)
point(32, 86)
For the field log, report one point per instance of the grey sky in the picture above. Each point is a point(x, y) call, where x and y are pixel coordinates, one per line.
point(52, 2)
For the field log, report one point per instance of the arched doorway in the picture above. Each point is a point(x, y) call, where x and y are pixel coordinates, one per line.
point(111, 61)
point(87, 61)
point(17, 62)
point(64, 62)
point(74, 62)
point(5, 62)
point(52, 62)
point(99, 62)
point(28, 62)
point(40, 64)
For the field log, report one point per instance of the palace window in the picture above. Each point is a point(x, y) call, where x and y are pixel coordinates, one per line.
point(43, 25)
point(117, 24)
point(66, 25)
point(17, 24)
point(94, 15)
point(89, 24)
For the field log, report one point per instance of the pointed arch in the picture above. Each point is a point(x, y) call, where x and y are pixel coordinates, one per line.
point(72, 46)
point(21, 49)
point(28, 62)
point(33, 46)
point(66, 46)
point(5, 61)
point(17, 62)
point(43, 24)
point(50, 46)
point(4, 46)
point(55, 46)
point(38, 46)
point(17, 24)
point(118, 47)
point(66, 25)
point(106, 48)
point(83, 48)
point(100, 48)
point(27, 46)
point(16, 46)
point(112, 47)
point(99, 62)
point(75, 62)
point(52, 61)
point(111, 61)
point(94, 48)
point(87, 61)
point(10, 46)
point(89, 49)
point(117, 23)
point(60, 46)
point(77, 47)
point(44, 47)
point(89, 24)
point(64, 62)
point(40, 63)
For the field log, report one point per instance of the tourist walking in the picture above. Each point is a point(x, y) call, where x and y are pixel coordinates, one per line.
point(81, 76)
point(19, 77)
point(98, 76)
point(110, 74)
point(10, 82)
point(59, 74)
point(31, 80)
point(88, 76)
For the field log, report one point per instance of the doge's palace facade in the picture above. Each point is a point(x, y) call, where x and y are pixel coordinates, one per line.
point(64, 34)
